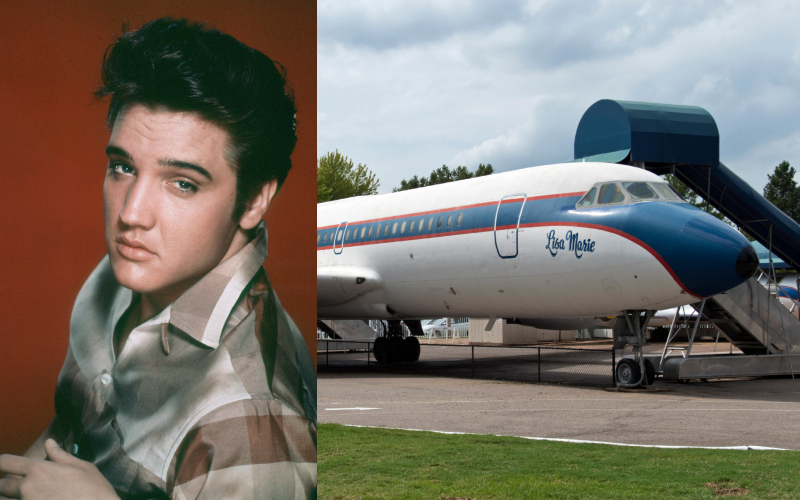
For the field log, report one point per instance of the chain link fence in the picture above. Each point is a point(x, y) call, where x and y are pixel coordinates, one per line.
point(593, 366)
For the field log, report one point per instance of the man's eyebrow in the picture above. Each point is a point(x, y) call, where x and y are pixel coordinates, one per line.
point(185, 164)
point(118, 151)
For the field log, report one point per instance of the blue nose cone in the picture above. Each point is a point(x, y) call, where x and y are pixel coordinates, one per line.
point(747, 262)
point(712, 256)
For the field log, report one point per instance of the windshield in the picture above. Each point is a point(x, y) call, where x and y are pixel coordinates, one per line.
point(610, 193)
point(626, 192)
point(639, 190)
point(666, 191)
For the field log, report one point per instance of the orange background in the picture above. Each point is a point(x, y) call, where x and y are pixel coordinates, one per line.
point(52, 165)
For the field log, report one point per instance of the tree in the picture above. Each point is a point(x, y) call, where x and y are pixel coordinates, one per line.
point(443, 174)
point(337, 178)
point(782, 190)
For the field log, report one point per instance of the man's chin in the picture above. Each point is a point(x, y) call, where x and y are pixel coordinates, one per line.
point(134, 276)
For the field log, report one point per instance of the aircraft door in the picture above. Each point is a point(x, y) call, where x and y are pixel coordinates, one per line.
point(338, 238)
point(506, 225)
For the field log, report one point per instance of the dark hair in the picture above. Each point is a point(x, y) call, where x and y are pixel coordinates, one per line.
point(183, 66)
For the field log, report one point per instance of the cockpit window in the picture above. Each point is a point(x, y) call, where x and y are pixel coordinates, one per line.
point(639, 190)
point(588, 199)
point(610, 193)
point(666, 191)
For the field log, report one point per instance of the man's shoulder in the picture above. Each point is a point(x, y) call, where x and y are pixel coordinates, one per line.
point(98, 306)
point(290, 371)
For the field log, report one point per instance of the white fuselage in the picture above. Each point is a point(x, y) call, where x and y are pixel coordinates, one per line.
point(535, 255)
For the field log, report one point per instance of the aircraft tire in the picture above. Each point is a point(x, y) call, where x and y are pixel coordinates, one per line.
point(649, 372)
point(389, 349)
point(628, 371)
point(379, 349)
point(412, 349)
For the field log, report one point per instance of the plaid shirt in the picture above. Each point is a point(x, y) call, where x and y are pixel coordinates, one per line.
point(213, 398)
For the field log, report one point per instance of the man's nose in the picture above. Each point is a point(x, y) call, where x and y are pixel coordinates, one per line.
point(140, 204)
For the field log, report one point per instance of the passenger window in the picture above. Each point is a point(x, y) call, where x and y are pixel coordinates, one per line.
point(325, 238)
point(449, 221)
point(403, 227)
point(369, 233)
point(588, 199)
point(319, 235)
point(347, 236)
point(421, 222)
point(363, 230)
point(610, 193)
point(439, 222)
point(339, 236)
point(430, 223)
point(460, 217)
point(385, 229)
point(394, 228)
point(639, 190)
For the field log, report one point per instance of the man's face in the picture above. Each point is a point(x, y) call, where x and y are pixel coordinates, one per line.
point(169, 195)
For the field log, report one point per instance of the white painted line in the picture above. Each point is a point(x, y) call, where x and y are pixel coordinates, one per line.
point(612, 410)
point(333, 409)
point(581, 441)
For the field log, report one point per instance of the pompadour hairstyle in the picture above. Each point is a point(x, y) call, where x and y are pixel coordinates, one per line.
point(186, 67)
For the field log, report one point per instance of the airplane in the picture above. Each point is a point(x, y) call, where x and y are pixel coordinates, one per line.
point(557, 246)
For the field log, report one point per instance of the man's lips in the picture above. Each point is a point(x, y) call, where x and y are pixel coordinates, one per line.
point(133, 249)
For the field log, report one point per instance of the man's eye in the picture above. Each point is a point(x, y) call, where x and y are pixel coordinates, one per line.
point(121, 168)
point(187, 187)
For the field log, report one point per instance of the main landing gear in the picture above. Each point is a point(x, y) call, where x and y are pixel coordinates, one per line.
point(393, 348)
point(630, 329)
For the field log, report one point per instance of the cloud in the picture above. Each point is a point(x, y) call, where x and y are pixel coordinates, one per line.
point(401, 23)
point(542, 138)
point(408, 86)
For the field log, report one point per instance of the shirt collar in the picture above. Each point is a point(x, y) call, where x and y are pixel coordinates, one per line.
point(204, 308)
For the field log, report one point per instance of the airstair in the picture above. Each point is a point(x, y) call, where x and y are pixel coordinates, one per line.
point(754, 321)
point(356, 329)
point(684, 141)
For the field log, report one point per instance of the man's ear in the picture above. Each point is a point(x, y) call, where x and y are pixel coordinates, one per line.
point(258, 206)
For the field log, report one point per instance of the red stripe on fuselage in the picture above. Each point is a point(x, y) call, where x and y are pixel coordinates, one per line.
point(624, 235)
point(607, 229)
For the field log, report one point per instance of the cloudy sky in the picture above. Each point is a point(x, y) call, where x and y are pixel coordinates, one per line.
point(407, 86)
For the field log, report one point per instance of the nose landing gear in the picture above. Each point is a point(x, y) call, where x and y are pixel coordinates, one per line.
point(630, 329)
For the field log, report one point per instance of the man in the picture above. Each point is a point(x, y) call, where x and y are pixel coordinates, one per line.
point(184, 377)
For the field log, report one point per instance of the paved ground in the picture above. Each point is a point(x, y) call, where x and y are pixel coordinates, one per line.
point(759, 412)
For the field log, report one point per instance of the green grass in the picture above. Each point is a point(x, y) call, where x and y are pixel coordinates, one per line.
point(362, 463)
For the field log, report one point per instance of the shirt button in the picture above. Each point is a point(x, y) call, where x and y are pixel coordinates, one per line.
point(75, 449)
point(106, 378)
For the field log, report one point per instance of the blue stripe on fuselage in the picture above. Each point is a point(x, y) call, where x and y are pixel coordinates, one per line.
point(700, 250)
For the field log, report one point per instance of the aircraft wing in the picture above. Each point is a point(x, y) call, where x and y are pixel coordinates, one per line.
point(341, 284)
